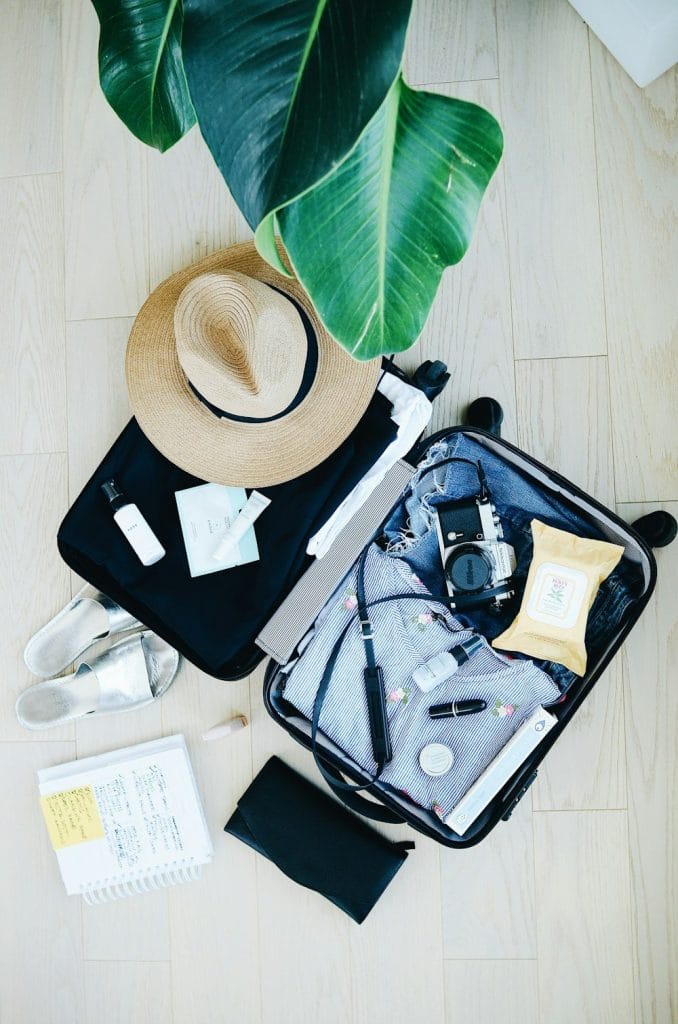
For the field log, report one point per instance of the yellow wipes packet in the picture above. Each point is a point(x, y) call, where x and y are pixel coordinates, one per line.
point(564, 577)
point(72, 816)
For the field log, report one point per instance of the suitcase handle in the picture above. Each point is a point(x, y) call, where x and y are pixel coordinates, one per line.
point(357, 803)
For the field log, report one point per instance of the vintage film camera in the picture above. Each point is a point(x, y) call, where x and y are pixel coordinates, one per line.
point(477, 562)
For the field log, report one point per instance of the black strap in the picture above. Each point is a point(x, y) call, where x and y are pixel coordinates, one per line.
point(372, 671)
point(374, 679)
point(331, 777)
point(477, 600)
point(482, 479)
point(388, 366)
point(363, 614)
point(317, 708)
point(377, 812)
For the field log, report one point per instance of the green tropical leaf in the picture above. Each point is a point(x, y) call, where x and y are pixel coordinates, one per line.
point(371, 241)
point(141, 69)
point(283, 90)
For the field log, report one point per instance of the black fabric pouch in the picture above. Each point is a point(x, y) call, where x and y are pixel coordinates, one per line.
point(314, 841)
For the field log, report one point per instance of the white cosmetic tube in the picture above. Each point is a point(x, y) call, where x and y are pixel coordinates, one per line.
point(248, 514)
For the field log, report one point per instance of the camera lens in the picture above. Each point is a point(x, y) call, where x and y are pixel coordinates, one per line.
point(468, 569)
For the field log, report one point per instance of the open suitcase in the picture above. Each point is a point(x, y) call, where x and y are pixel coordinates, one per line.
point(394, 808)
point(316, 583)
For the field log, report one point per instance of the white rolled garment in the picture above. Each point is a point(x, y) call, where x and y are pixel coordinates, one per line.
point(411, 411)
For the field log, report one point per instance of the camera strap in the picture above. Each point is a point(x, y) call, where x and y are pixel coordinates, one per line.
point(323, 686)
point(373, 675)
point(461, 604)
point(482, 479)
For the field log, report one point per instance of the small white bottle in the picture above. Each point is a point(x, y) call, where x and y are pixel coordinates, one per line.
point(140, 536)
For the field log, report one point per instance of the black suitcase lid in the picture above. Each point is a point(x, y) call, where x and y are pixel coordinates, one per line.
point(212, 620)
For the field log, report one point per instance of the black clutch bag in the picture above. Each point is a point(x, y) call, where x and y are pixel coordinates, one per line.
point(314, 841)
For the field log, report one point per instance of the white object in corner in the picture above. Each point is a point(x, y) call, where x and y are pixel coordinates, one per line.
point(641, 34)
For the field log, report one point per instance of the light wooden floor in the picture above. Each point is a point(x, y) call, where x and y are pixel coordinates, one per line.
point(563, 310)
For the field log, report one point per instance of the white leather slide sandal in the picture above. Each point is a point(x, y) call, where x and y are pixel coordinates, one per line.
point(90, 616)
point(136, 671)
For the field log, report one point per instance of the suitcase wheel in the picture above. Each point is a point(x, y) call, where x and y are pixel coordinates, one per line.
point(431, 378)
point(657, 528)
point(486, 414)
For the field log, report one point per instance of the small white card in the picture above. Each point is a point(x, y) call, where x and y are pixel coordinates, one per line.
point(205, 513)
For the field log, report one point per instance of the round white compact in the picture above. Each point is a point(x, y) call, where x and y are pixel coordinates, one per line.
point(436, 759)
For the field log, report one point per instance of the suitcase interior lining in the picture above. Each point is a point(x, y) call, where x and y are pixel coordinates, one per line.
point(616, 532)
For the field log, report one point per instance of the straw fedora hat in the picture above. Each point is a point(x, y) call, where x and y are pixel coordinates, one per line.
point(232, 376)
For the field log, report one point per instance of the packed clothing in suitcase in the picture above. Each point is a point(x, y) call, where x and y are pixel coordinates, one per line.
point(468, 715)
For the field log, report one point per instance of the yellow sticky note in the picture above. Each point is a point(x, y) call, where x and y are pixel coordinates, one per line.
point(72, 817)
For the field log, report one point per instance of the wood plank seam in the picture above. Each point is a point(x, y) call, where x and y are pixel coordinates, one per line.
point(613, 453)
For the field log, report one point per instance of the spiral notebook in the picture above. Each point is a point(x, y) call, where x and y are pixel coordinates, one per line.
point(126, 822)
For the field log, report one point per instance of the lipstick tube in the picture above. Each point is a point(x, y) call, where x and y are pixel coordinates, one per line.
point(457, 708)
